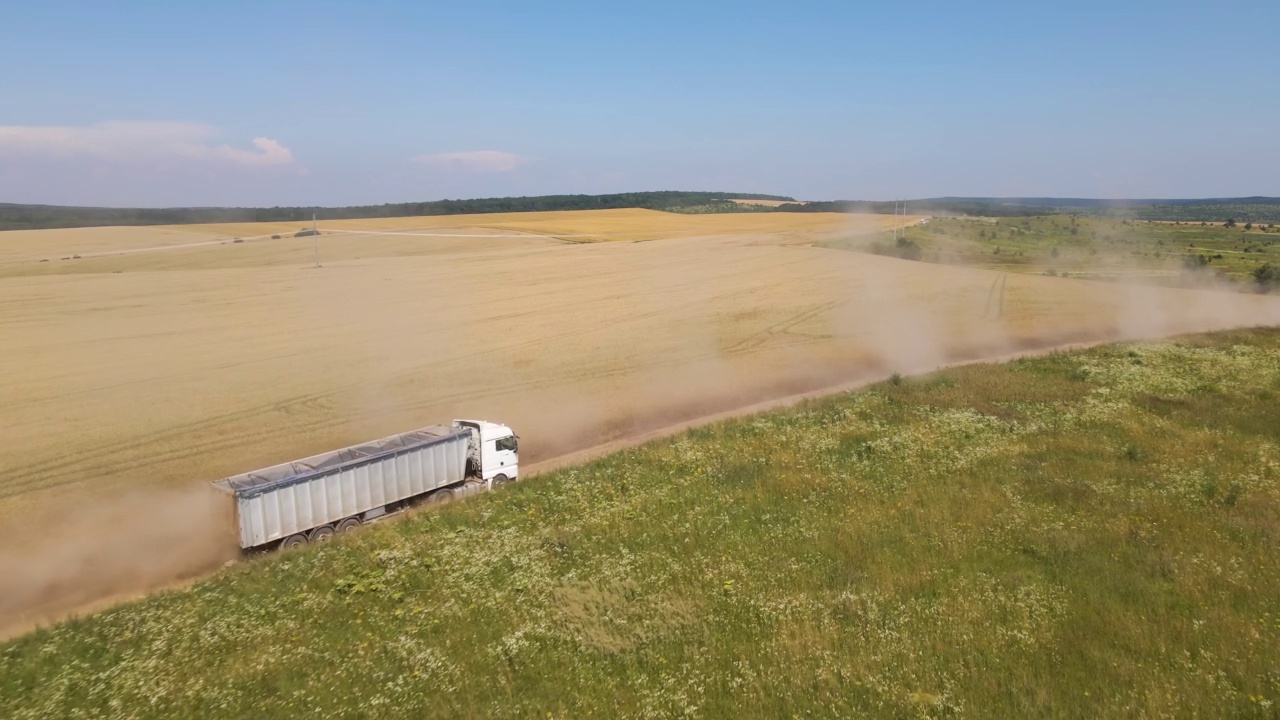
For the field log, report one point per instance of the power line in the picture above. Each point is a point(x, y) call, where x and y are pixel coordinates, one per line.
point(315, 238)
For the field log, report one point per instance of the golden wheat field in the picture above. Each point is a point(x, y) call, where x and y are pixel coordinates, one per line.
point(767, 203)
point(22, 251)
point(166, 357)
point(198, 361)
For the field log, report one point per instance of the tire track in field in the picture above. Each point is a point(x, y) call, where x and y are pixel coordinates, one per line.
point(113, 458)
point(758, 338)
point(212, 434)
point(142, 452)
point(600, 282)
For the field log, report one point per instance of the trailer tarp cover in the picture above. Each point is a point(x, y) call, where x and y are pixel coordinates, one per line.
point(298, 470)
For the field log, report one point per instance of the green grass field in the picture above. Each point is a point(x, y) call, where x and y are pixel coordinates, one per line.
point(1090, 534)
point(1182, 254)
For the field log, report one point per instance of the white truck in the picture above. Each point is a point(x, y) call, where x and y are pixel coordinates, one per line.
point(308, 500)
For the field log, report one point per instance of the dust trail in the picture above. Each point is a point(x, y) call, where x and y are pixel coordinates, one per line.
point(100, 548)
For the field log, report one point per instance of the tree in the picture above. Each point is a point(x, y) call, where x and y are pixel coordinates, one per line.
point(909, 249)
point(1195, 262)
point(1267, 276)
point(1229, 223)
point(1054, 253)
point(1248, 226)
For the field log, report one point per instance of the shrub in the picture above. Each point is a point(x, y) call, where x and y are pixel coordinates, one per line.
point(1195, 262)
point(909, 249)
point(1266, 276)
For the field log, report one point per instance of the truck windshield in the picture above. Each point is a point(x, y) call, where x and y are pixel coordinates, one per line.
point(507, 443)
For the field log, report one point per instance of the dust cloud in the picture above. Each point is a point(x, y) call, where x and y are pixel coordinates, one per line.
point(995, 313)
point(97, 549)
point(874, 316)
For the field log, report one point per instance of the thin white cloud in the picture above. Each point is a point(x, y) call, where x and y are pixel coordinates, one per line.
point(138, 143)
point(479, 161)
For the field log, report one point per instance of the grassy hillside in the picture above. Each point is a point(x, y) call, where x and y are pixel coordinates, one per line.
point(1081, 535)
point(1246, 209)
point(1166, 253)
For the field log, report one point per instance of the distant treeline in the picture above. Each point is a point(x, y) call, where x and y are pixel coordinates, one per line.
point(1248, 209)
point(31, 217)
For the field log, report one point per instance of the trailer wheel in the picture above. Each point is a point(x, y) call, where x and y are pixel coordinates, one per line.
point(500, 480)
point(293, 542)
point(322, 534)
point(440, 497)
point(348, 525)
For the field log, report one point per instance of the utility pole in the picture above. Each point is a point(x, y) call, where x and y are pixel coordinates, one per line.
point(315, 238)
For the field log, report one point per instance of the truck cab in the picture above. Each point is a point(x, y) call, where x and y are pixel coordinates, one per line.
point(494, 453)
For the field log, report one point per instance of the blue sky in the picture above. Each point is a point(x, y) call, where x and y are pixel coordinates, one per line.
point(158, 103)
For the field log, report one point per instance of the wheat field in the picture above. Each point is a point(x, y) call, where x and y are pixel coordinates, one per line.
point(21, 251)
point(195, 362)
point(767, 203)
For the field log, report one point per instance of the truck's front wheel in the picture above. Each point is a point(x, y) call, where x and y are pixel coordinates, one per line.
point(500, 480)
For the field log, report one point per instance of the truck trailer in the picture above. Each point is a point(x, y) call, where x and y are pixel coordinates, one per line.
point(309, 500)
